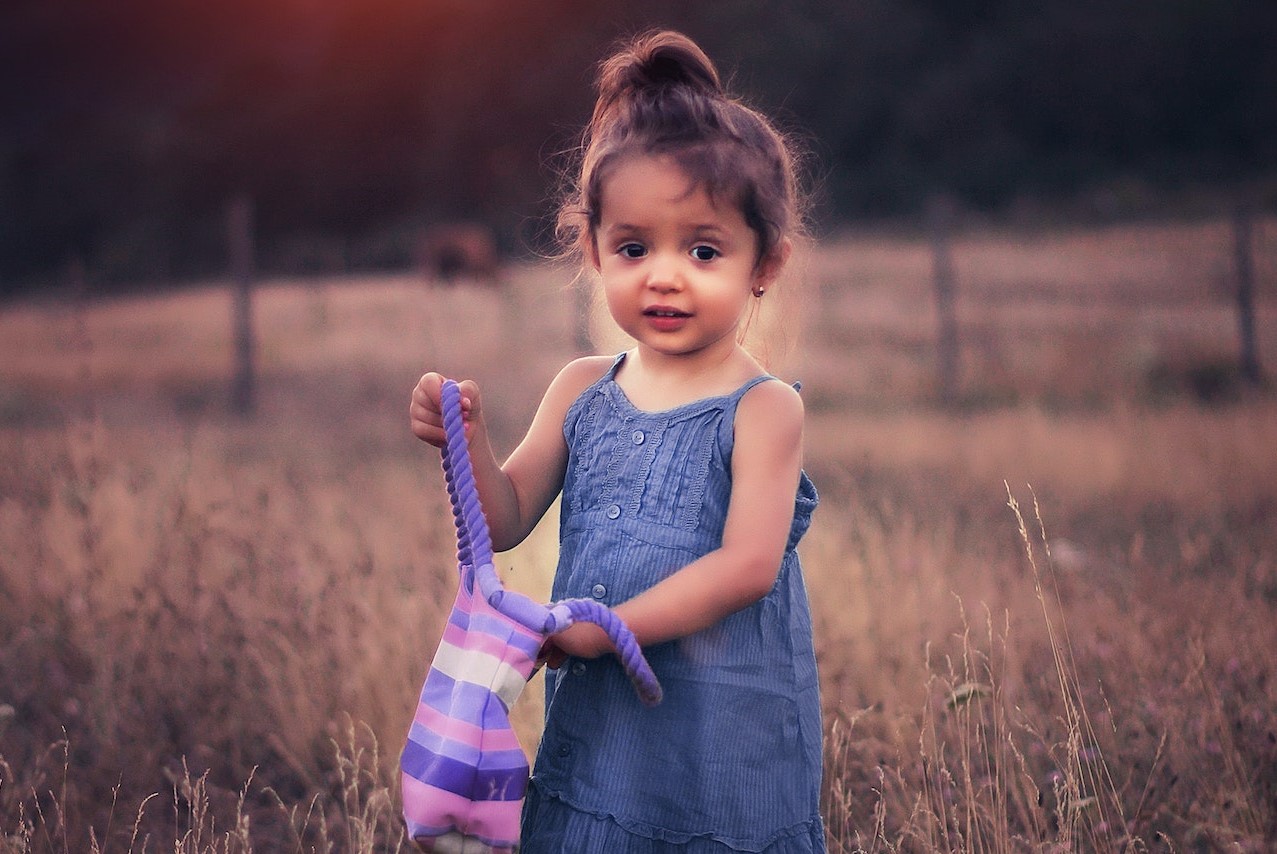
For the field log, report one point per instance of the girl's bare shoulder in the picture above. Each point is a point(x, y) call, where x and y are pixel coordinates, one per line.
point(580, 374)
point(771, 408)
point(774, 393)
point(575, 377)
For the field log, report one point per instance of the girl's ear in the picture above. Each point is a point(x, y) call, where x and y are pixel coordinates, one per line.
point(770, 268)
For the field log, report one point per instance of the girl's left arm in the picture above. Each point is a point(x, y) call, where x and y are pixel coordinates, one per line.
point(766, 462)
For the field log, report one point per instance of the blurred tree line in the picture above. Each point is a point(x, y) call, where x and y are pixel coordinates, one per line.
point(125, 126)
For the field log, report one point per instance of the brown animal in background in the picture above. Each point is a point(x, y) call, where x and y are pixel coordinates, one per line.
point(459, 251)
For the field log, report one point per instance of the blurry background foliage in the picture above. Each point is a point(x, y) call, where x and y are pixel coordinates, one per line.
point(126, 126)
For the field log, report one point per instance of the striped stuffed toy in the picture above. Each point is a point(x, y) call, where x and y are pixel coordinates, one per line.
point(464, 772)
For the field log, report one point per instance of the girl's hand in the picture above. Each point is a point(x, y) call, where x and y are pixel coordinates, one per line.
point(425, 411)
point(581, 640)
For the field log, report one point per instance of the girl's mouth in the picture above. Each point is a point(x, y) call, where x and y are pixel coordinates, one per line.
point(665, 319)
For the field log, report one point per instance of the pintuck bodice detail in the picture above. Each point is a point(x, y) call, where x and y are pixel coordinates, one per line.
point(731, 758)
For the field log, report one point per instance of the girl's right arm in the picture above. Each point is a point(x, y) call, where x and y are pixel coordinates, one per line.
point(516, 494)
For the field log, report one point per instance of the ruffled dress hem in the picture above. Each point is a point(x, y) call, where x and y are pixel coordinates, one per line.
point(587, 829)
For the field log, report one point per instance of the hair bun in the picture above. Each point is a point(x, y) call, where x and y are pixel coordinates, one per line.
point(655, 62)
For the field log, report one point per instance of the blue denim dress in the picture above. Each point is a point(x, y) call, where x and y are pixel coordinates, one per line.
point(731, 759)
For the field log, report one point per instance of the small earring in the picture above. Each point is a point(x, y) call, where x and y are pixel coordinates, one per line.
point(758, 292)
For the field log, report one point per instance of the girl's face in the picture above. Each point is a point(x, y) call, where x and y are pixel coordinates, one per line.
point(678, 270)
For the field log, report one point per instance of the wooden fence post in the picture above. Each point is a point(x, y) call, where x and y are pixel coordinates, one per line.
point(941, 212)
point(239, 234)
point(1244, 266)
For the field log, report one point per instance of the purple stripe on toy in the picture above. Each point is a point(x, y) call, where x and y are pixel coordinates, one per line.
point(498, 626)
point(464, 701)
point(459, 750)
point(462, 778)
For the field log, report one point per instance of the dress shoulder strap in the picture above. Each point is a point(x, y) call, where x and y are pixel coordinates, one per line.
point(616, 366)
point(758, 380)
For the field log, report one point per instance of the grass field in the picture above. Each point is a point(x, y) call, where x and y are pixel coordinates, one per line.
point(1045, 614)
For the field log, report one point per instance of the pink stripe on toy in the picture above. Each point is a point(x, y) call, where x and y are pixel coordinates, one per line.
point(463, 732)
point(484, 642)
point(487, 820)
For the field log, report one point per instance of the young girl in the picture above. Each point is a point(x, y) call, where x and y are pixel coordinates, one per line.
point(679, 464)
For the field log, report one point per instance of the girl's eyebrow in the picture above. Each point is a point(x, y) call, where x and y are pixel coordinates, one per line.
point(623, 228)
point(715, 233)
point(696, 230)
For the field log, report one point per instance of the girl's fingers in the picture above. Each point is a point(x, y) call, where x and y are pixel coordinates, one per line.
point(469, 398)
point(425, 411)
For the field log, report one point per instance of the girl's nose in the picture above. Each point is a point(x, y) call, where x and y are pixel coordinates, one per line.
point(664, 275)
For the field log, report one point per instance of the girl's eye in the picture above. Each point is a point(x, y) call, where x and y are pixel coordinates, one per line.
point(632, 250)
point(704, 253)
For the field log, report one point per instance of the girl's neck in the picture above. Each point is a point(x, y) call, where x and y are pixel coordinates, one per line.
point(657, 382)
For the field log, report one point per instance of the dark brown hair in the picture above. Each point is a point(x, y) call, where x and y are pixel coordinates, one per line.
point(660, 94)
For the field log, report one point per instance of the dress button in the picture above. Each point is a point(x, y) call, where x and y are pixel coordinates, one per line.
point(598, 591)
point(638, 437)
point(614, 511)
point(564, 749)
point(578, 668)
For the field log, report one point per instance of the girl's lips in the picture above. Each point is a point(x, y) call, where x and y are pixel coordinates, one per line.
point(665, 319)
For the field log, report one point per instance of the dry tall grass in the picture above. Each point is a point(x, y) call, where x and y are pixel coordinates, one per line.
point(212, 631)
